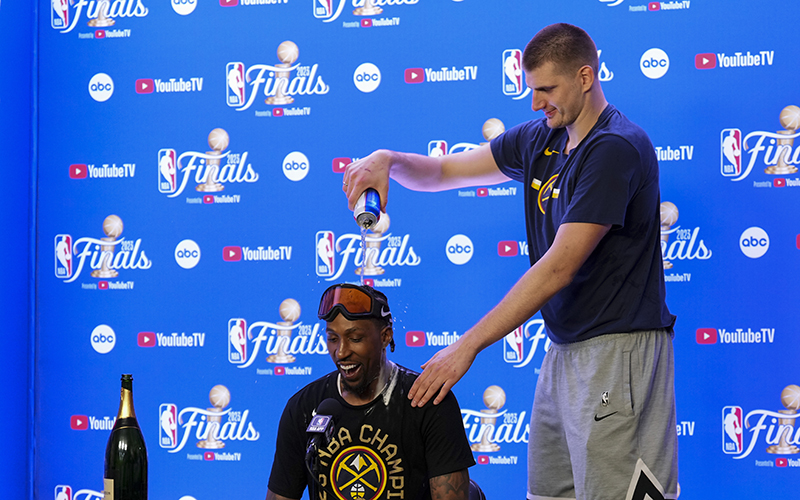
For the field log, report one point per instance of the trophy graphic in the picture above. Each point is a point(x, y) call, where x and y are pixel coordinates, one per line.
point(790, 120)
point(287, 55)
point(101, 20)
point(112, 226)
point(218, 140)
point(219, 397)
point(790, 397)
point(372, 249)
point(669, 216)
point(369, 9)
point(290, 312)
point(494, 398)
point(491, 129)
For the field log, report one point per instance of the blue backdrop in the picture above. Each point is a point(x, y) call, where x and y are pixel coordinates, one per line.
point(146, 264)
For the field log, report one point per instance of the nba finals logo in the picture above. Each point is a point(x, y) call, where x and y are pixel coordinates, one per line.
point(330, 10)
point(396, 251)
point(105, 255)
point(780, 157)
point(326, 257)
point(521, 345)
point(280, 344)
point(64, 14)
point(168, 426)
point(279, 86)
point(513, 79)
point(205, 424)
point(488, 428)
point(210, 174)
point(64, 492)
point(781, 426)
point(492, 128)
point(732, 430)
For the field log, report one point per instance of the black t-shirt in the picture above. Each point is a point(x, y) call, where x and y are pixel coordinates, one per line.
point(611, 177)
point(379, 450)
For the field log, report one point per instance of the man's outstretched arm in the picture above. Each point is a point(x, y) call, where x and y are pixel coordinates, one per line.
point(453, 486)
point(420, 173)
point(573, 244)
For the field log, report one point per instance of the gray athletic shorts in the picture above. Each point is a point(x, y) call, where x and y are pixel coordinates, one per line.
point(603, 420)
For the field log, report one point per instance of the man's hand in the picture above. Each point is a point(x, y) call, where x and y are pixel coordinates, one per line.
point(441, 372)
point(369, 172)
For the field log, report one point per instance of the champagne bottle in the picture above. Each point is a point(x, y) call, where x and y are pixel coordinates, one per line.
point(125, 475)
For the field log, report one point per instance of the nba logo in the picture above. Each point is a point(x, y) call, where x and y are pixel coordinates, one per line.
point(234, 75)
point(237, 340)
point(325, 255)
point(437, 148)
point(63, 492)
point(168, 425)
point(731, 152)
point(513, 347)
point(512, 72)
point(166, 171)
point(63, 246)
point(323, 9)
point(59, 18)
point(732, 430)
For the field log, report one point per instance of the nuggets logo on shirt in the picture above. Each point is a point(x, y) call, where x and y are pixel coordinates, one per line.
point(546, 191)
point(362, 466)
point(358, 473)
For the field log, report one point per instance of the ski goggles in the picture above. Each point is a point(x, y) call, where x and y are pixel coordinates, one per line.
point(354, 302)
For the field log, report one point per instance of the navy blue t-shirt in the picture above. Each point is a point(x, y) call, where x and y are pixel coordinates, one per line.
point(611, 177)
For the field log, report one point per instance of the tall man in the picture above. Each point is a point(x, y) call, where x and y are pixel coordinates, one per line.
point(604, 413)
point(382, 447)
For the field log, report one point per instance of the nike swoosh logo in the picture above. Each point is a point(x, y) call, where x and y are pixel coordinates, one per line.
point(384, 313)
point(548, 152)
point(597, 419)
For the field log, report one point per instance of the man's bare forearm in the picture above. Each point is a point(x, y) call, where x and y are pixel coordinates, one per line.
point(453, 486)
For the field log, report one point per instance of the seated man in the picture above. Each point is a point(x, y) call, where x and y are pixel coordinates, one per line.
point(381, 448)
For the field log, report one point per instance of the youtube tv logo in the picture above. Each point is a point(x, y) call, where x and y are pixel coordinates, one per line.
point(781, 462)
point(483, 459)
point(280, 370)
point(366, 23)
point(369, 282)
point(654, 6)
point(78, 422)
point(228, 3)
point(232, 254)
point(145, 86)
point(779, 182)
point(507, 248)
point(797, 241)
point(339, 164)
point(209, 455)
point(706, 60)
point(277, 112)
point(483, 192)
point(100, 33)
point(146, 339)
point(208, 199)
point(78, 171)
point(102, 285)
point(706, 336)
point(415, 75)
point(415, 338)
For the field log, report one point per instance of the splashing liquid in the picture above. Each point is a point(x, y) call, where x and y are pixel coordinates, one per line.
point(363, 253)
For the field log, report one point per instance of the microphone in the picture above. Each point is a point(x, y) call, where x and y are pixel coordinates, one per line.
point(320, 431)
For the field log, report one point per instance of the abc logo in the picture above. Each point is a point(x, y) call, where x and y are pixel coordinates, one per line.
point(295, 166)
point(187, 254)
point(459, 249)
point(101, 86)
point(103, 339)
point(367, 77)
point(754, 242)
point(184, 7)
point(654, 63)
